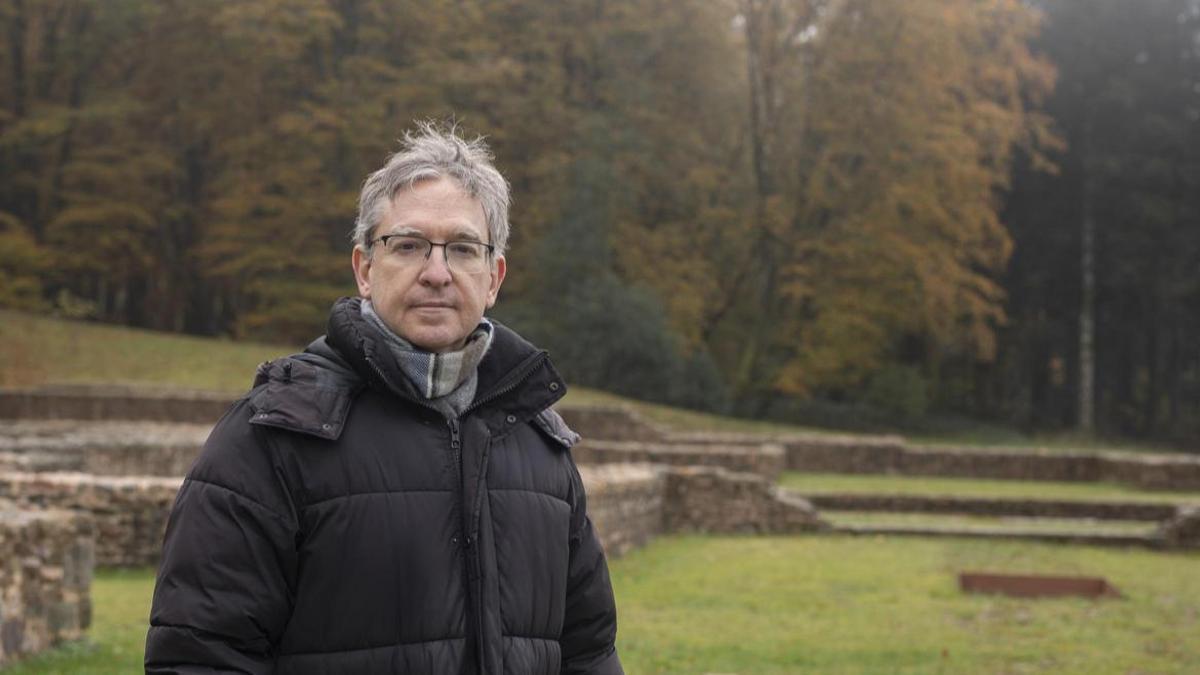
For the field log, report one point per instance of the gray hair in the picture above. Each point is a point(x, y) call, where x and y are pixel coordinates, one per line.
point(436, 150)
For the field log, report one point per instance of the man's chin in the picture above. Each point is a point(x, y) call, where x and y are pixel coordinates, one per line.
point(433, 338)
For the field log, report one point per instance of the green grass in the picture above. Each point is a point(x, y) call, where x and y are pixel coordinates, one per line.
point(36, 350)
point(825, 604)
point(683, 419)
point(825, 483)
point(117, 638)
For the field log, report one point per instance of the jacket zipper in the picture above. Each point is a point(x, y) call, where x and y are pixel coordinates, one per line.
point(470, 552)
point(470, 560)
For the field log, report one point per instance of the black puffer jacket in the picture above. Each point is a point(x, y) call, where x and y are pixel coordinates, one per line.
point(336, 524)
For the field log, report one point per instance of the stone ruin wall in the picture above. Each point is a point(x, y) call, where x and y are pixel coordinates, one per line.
point(642, 481)
point(630, 504)
point(100, 448)
point(625, 503)
point(714, 500)
point(763, 459)
point(45, 579)
point(129, 514)
point(1009, 507)
point(832, 453)
point(1182, 531)
point(111, 402)
point(1146, 471)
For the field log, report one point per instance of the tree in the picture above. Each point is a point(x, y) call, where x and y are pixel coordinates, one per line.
point(1126, 104)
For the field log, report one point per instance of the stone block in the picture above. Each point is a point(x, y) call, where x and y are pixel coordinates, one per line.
point(712, 499)
point(41, 605)
point(129, 514)
point(1183, 530)
point(764, 459)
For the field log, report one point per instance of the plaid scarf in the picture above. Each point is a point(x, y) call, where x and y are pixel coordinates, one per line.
point(437, 375)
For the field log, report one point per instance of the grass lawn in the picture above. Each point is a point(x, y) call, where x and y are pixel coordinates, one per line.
point(825, 483)
point(683, 419)
point(36, 350)
point(825, 604)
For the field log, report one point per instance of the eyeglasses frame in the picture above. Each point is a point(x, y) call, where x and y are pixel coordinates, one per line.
point(491, 248)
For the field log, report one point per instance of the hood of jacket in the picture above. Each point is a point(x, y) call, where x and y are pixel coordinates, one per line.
point(312, 392)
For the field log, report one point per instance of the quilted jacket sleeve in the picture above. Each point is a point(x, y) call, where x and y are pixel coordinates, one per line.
point(590, 627)
point(224, 589)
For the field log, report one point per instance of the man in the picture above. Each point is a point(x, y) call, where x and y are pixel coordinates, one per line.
point(399, 498)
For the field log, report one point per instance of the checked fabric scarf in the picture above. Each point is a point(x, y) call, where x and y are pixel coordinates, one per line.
point(448, 380)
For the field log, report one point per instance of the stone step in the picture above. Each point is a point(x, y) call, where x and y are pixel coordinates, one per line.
point(1063, 530)
point(1089, 538)
point(993, 506)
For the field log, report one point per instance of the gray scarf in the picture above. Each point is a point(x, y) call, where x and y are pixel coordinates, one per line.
point(448, 380)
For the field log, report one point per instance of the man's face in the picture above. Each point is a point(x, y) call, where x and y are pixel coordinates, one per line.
point(428, 304)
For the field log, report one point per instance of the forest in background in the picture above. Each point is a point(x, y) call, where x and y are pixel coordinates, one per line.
point(847, 212)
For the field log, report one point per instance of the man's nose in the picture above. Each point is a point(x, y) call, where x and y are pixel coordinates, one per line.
point(435, 271)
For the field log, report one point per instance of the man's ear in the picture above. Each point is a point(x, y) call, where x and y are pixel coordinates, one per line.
point(499, 267)
point(360, 260)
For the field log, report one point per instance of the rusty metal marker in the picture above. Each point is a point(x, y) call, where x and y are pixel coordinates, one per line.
point(1036, 585)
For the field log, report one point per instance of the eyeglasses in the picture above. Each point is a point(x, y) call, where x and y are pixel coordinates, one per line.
point(462, 256)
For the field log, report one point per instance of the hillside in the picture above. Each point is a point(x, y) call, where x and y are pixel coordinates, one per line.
point(36, 350)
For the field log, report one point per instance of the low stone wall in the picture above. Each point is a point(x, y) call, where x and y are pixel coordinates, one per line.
point(102, 448)
point(711, 499)
point(844, 454)
point(884, 455)
point(1181, 531)
point(610, 423)
point(994, 507)
point(1152, 472)
point(632, 503)
point(45, 579)
point(104, 402)
point(764, 459)
point(625, 503)
point(129, 514)
point(999, 464)
point(815, 452)
point(628, 503)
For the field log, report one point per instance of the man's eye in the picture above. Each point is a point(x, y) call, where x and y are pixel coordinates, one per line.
point(407, 246)
point(463, 249)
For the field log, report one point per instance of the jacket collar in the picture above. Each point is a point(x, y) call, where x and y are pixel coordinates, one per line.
point(516, 379)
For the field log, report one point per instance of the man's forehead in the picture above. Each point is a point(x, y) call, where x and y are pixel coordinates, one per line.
point(435, 206)
point(463, 232)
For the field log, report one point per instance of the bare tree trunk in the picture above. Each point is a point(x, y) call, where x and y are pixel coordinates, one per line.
point(16, 37)
point(1172, 369)
point(759, 77)
point(1087, 305)
point(1152, 355)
